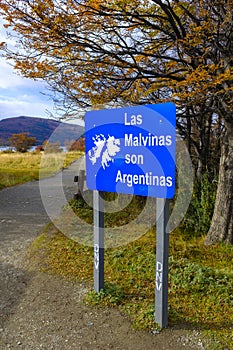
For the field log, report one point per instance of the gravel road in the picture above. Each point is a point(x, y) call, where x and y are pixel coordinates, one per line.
point(41, 311)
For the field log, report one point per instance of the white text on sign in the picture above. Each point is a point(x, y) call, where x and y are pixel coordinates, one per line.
point(159, 275)
point(96, 256)
point(133, 119)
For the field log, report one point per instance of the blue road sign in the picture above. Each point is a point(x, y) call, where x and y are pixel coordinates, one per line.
point(132, 150)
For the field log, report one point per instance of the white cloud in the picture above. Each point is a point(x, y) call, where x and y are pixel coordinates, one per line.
point(13, 106)
point(19, 95)
point(9, 78)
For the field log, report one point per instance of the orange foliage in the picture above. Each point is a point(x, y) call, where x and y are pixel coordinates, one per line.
point(126, 51)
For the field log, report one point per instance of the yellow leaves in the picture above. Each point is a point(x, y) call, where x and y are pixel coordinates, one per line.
point(111, 48)
point(3, 7)
point(171, 65)
point(41, 7)
point(96, 4)
point(63, 52)
point(35, 69)
point(202, 81)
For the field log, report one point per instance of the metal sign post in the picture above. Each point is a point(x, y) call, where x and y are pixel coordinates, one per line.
point(98, 205)
point(132, 150)
point(162, 251)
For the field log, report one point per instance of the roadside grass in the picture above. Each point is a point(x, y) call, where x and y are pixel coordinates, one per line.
point(200, 280)
point(17, 168)
point(200, 277)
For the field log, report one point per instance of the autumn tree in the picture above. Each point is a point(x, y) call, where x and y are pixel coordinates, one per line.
point(202, 131)
point(22, 142)
point(135, 52)
point(78, 145)
point(53, 147)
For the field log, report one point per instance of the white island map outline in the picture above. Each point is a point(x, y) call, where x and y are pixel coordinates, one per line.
point(105, 149)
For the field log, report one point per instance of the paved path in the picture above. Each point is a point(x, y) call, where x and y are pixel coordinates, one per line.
point(22, 212)
point(22, 218)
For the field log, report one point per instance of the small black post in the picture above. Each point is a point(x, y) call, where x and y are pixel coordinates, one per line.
point(80, 179)
point(162, 252)
point(98, 205)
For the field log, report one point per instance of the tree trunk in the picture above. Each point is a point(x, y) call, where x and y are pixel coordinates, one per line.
point(221, 229)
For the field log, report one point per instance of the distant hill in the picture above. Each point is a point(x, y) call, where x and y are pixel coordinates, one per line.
point(40, 128)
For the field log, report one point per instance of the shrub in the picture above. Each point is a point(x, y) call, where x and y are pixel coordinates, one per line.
point(199, 214)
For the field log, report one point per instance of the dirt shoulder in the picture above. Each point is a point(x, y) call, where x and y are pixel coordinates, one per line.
point(42, 311)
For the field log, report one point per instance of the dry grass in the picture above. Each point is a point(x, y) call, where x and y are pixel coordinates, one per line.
point(17, 168)
point(200, 280)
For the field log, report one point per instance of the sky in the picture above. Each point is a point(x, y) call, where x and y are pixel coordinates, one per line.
point(20, 96)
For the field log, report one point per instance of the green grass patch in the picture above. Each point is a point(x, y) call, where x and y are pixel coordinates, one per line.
point(200, 281)
point(116, 219)
point(11, 177)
